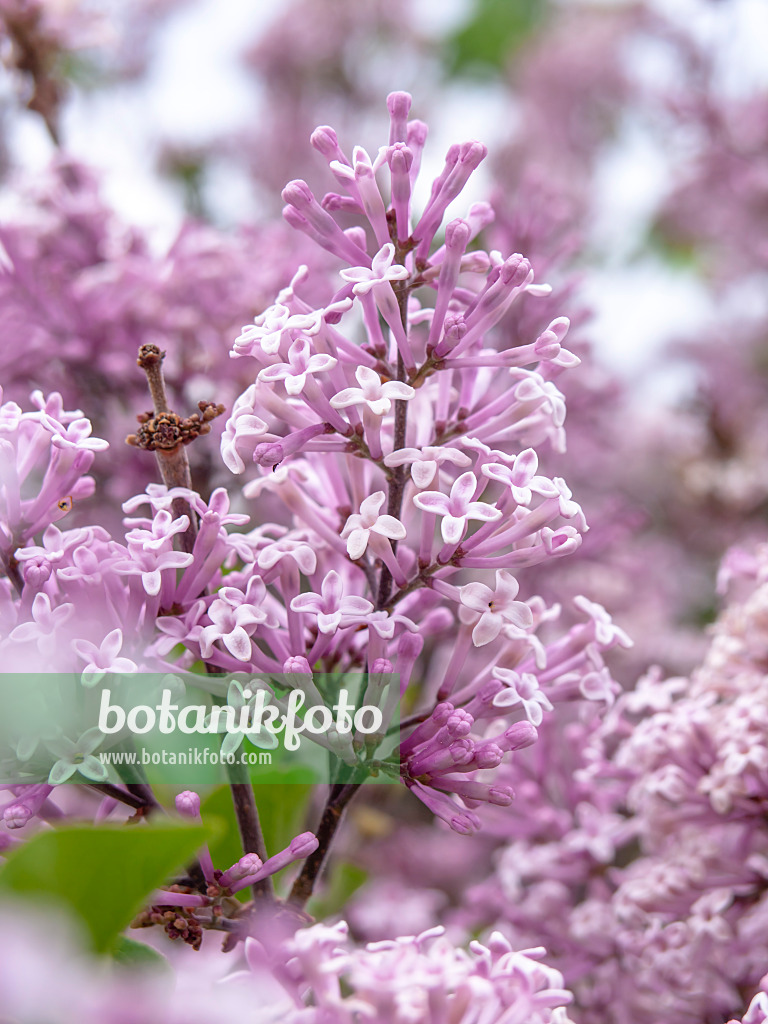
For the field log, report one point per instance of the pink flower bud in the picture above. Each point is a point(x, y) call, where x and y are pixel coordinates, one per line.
point(188, 804)
point(304, 844)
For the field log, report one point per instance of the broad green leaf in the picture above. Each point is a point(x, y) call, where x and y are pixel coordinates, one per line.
point(282, 810)
point(103, 874)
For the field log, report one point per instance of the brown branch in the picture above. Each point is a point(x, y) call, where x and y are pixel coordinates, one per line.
point(173, 464)
point(132, 799)
point(11, 568)
point(339, 797)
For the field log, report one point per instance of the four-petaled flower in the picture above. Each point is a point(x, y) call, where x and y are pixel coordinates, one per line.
point(160, 536)
point(497, 608)
point(102, 659)
point(606, 632)
point(425, 462)
point(521, 477)
point(380, 274)
point(54, 546)
point(242, 431)
point(244, 724)
point(360, 525)
point(265, 334)
point(76, 756)
point(234, 616)
point(457, 507)
point(299, 550)
point(77, 436)
point(372, 393)
point(300, 365)
point(149, 565)
point(522, 689)
point(46, 623)
point(333, 610)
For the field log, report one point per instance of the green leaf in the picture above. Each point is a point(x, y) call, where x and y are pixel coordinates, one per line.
point(494, 31)
point(103, 874)
point(282, 810)
point(137, 956)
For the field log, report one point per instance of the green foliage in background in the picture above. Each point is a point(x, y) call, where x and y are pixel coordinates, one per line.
point(483, 45)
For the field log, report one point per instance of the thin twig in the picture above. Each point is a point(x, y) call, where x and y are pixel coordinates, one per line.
point(338, 799)
point(143, 791)
point(173, 464)
point(122, 795)
point(397, 479)
point(11, 568)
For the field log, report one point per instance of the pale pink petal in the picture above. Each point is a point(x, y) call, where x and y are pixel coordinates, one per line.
point(423, 473)
point(526, 464)
point(208, 636)
point(506, 584)
point(464, 487)
point(397, 389)
point(482, 510)
point(476, 596)
point(402, 456)
point(519, 614)
point(152, 581)
point(332, 588)
point(111, 644)
point(347, 397)
point(432, 501)
point(273, 373)
point(84, 648)
point(371, 505)
point(357, 542)
point(356, 606)
point(238, 643)
point(388, 526)
point(328, 623)
point(452, 528)
point(122, 665)
point(487, 629)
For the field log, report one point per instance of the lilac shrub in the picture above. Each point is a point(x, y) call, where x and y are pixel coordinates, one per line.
point(393, 429)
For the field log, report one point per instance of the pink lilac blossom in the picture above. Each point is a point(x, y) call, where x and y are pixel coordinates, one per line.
point(410, 393)
point(78, 282)
point(376, 579)
point(317, 976)
point(636, 846)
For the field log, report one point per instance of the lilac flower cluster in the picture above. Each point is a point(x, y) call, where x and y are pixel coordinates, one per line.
point(315, 976)
point(81, 291)
point(380, 416)
point(645, 874)
point(383, 410)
